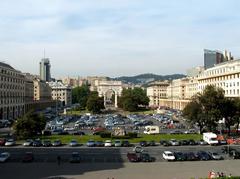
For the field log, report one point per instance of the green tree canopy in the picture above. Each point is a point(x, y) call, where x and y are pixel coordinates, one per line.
point(80, 95)
point(131, 99)
point(205, 109)
point(95, 103)
point(29, 125)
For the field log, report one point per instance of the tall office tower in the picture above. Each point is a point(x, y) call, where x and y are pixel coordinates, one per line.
point(45, 66)
point(212, 57)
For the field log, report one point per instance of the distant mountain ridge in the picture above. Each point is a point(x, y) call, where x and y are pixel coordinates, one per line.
point(147, 78)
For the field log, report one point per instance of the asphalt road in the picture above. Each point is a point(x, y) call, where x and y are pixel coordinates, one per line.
point(99, 154)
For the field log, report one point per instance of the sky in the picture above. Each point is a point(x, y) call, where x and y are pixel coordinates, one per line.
point(116, 37)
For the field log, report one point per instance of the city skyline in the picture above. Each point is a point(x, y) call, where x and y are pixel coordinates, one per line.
point(109, 38)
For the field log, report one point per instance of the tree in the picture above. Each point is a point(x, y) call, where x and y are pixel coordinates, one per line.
point(237, 114)
point(29, 125)
point(95, 103)
point(228, 112)
point(132, 99)
point(80, 95)
point(205, 109)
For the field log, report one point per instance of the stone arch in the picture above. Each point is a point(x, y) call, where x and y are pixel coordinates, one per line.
point(114, 86)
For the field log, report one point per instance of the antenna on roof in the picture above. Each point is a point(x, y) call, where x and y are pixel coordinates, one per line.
point(44, 53)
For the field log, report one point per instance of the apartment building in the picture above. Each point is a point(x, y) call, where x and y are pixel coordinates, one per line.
point(42, 91)
point(157, 91)
point(61, 92)
point(12, 92)
point(224, 75)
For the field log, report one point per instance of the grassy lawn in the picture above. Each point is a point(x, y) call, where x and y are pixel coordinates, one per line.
point(83, 139)
point(77, 112)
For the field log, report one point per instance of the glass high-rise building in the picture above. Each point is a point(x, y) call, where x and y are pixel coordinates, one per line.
point(45, 66)
point(212, 57)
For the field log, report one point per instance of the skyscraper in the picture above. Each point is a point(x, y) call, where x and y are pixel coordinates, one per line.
point(212, 57)
point(45, 66)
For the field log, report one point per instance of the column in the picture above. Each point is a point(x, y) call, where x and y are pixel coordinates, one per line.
point(104, 97)
point(116, 102)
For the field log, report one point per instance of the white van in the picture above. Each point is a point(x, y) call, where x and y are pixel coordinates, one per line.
point(210, 138)
point(151, 130)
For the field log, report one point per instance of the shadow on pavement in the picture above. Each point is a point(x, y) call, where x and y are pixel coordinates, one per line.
point(46, 166)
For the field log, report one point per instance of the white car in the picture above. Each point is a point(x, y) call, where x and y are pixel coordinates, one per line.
point(10, 142)
point(167, 155)
point(174, 142)
point(4, 156)
point(138, 149)
point(108, 143)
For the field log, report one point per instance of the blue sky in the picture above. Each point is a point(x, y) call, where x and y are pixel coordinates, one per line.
point(116, 37)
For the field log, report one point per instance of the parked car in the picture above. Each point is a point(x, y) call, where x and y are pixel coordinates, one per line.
point(10, 142)
point(125, 143)
point(164, 143)
point(190, 131)
point(176, 132)
point(57, 143)
point(202, 155)
point(145, 157)
point(174, 142)
point(132, 157)
point(168, 155)
point(138, 149)
point(179, 156)
point(4, 156)
point(222, 142)
point(215, 156)
point(190, 156)
point(47, 143)
point(202, 142)
point(75, 158)
point(99, 144)
point(117, 143)
point(90, 143)
point(2, 141)
point(192, 142)
point(28, 157)
point(108, 143)
point(184, 142)
point(143, 143)
point(73, 143)
point(152, 143)
point(37, 143)
point(234, 154)
point(28, 142)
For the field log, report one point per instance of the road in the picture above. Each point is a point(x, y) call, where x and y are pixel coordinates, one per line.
point(99, 154)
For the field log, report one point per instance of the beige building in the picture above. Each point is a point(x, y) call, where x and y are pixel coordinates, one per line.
point(62, 93)
point(156, 92)
point(74, 82)
point(224, 75)
point(175, 94)
point(42, 91)
point(12, 91)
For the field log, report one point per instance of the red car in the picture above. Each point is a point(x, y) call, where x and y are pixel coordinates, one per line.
point(2, 142)
point(132, 157)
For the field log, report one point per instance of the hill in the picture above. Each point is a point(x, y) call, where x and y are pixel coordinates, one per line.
point(147, 78)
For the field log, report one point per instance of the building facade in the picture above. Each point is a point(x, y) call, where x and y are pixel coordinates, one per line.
point(12, 92)
point(42, 91)
point(45, 73)
point(62, 93)
point(225, 75)
point(156, 92)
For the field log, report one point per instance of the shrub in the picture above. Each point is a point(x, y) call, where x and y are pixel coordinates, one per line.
point(105, 135)
point(132, 135)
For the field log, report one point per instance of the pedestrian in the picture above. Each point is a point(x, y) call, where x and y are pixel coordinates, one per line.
point(59, 159)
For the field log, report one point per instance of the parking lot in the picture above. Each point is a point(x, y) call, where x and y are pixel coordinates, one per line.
point(102, 154)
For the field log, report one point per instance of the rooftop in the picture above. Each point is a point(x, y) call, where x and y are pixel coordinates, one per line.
point(6, 65)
